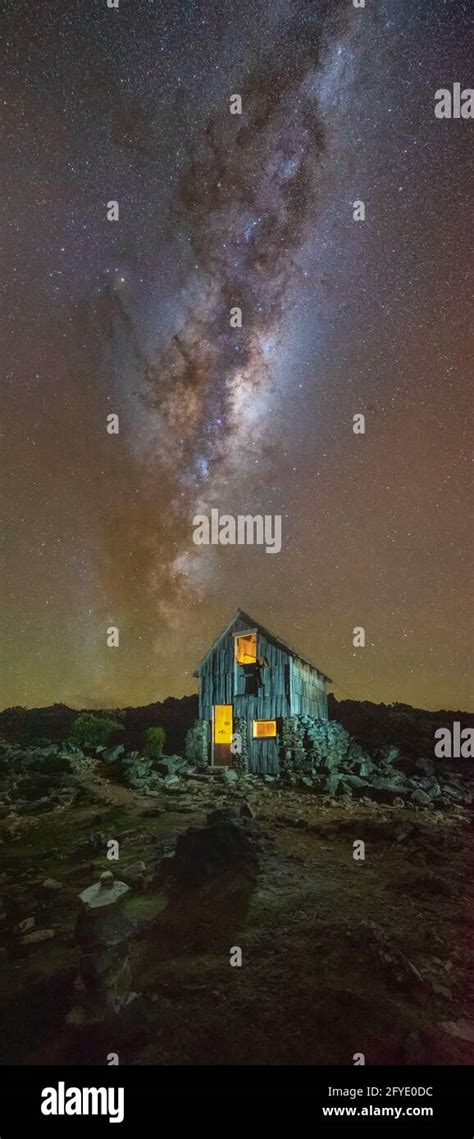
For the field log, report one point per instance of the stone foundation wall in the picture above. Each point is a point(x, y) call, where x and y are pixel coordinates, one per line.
point(197, 744)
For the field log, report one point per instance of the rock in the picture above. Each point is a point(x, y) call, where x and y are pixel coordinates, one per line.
point(38, 806)
point(170, 764)
point(247, 811)
point(389, 754)
point(172, 780)
point(382, 953)
point(52, 885)
point(103, 894)
point(134, 873)
point(431, 786)
point(295, 823)
point(461, 1029)
point(26, 925)
point(222, 847)
point(37, 936)
point(77, 1017)
point(37, 786)
point(441, 991)
point(366, 767)
point(353, 781)
point(398, 802)
point(420, 797)
point(230, 775)
point(222, 815)
point(455, 793)
point(114, 753)
point(332, 783)
point(390, 783)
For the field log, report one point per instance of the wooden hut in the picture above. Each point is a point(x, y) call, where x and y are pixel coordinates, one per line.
point(250, 681)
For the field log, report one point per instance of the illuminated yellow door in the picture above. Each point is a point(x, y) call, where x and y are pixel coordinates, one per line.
point(223, 723)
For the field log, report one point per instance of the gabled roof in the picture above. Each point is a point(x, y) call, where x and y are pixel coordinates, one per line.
point(239, 615)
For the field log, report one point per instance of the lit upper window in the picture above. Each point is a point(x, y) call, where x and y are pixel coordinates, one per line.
point(246, 649)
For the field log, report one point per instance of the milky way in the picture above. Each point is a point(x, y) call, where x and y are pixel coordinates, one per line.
point(247, 204)
point(338, 317)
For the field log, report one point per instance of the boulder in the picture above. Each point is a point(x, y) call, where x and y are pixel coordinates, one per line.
point(230, 775)
point(26, 925)
point(389, 754)
point(37, 936)
point(421, 798)
point(104, 894)
point(366, 767)
point(461, 1029)
point(332, 783)
point(37, 785)
point(223, 815)
point(431, 786)
point(170, 764)
point(456, 793)
point(114, 753)
point(134, 874)
point(172, 780)
point(350, 780)
point(223, 847)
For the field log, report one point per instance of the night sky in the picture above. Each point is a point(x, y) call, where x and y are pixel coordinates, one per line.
point(339, 317)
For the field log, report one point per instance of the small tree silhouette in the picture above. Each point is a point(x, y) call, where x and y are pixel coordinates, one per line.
point(155, 742)
point(92, 730)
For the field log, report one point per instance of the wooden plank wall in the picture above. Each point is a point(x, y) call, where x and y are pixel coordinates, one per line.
point(308, 691)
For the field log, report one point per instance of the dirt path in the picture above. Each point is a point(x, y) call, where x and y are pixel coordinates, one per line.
point(339, 956)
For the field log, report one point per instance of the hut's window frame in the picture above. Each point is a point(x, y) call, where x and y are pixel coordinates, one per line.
point(264, 735)
point(245, 636)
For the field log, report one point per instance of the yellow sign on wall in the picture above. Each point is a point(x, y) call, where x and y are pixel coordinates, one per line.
point(223, 723)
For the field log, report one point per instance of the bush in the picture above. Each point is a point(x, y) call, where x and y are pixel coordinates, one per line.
point(91, 729)
point(155, 742)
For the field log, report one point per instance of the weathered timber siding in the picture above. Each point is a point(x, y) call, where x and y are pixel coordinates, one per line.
point(308, 691)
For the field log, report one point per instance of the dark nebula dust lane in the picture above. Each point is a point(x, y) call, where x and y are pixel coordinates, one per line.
point(222, 212)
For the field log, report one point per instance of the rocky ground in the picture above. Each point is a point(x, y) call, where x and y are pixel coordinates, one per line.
point(340, 955)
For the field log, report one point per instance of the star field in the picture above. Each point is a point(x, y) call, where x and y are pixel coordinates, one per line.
point(339, 317)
